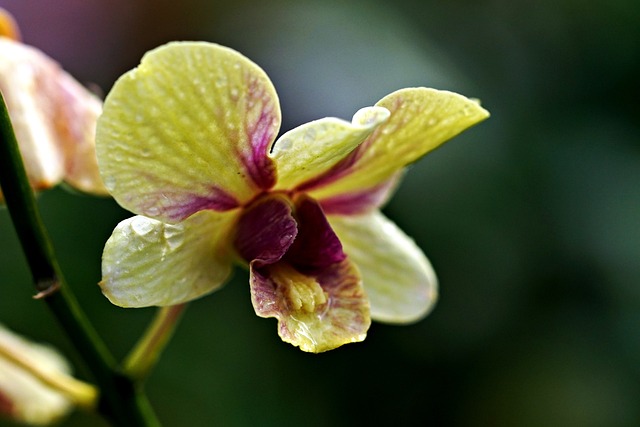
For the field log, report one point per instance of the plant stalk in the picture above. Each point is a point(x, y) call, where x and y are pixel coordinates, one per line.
point(122, 402)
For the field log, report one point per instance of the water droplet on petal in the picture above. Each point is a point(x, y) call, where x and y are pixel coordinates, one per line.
point(152, 211)
point(283, 144)
point(389, 129)
point(432, 121)
point(235, 93)
point(310, 135)
point(285, 240)
point(174, 236)
point(110, 183)
point(141, 226)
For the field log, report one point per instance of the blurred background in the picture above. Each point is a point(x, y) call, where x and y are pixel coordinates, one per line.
point(531, 219)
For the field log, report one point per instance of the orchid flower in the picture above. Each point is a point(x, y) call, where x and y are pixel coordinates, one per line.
point(53, 116)
point(186, 141)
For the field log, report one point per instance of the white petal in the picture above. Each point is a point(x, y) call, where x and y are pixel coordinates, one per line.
point(397, 276)
point(147, 262)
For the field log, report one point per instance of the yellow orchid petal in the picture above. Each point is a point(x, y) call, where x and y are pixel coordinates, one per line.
point(147, 262)
point(313, 148)
point(54, 119)
point(397, 277)
point(421, 120)
point(188, 129)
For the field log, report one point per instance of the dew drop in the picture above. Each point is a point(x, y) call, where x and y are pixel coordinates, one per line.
point(141, 226)
point(432, 121)
point(152, 211)
point(310, 135)
point(173, 236)
point(235, 93)
point(110, 182)
point(285, 240)
point(283, 144)
point(389, 129)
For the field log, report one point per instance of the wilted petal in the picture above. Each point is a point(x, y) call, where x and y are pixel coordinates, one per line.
point(398, 278)
point(188, 129)
point(23, 397)
point(313, 148)
point(147, 262)
point(421, 120)
point(315, 312)
point(53, 116)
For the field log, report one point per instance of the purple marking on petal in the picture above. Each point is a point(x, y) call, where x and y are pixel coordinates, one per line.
point(349, 164)
point(178, 206)
point(264, 293)
point(359, 202)
point(261, 133)
point(261, 168)
point(316, 245)
point(340, 169)
point(266, 230)
point(343, 284)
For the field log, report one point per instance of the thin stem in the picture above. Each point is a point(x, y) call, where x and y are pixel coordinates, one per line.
point(120, 401)
point(145, 354)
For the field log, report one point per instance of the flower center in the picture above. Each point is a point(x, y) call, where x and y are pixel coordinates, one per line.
point(302, 292)
point(266, 229)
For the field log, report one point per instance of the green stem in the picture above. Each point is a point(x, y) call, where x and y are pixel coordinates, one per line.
point(145, 354)
point(121, 401)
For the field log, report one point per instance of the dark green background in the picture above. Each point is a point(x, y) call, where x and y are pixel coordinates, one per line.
point(531, 219)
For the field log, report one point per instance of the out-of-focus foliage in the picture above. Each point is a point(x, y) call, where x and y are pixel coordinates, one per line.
point(531, 219)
